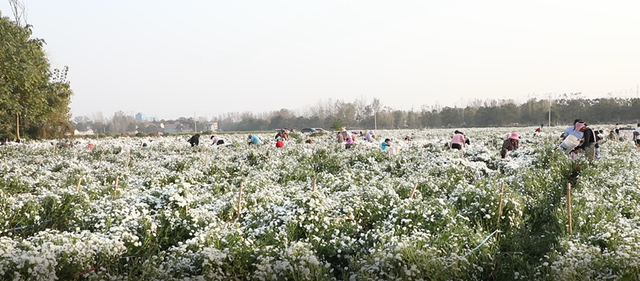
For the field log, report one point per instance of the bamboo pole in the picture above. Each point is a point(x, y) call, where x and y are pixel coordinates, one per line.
point(128, 158)
point(186, 210)
point(18, 126)
point(500, 206)
point(413, 192)
point(206, 161)
point(78, 187)
point(569, 207)
point(240, 200)
point(115, 190)
point(314, 185)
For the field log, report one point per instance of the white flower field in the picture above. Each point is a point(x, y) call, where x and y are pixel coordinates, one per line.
point(319, 211)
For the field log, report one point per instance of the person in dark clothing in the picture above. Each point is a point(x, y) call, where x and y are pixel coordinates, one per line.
point(194, 140)
point(589, 143)
point(510, 144)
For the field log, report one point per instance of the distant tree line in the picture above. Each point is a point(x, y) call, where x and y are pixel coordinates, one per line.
point(331, 114)
point(487, 113)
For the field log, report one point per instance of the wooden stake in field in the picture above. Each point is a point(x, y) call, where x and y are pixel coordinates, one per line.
point(314, 185)
point(101, 156)
point(413, 192)
point(206, 161)
point(186, 210)
point(78, 187)
point(128, 158)
point(240, 200)
point(115, 190)
point(500, 207)
point(569, 207)
point(18, 125)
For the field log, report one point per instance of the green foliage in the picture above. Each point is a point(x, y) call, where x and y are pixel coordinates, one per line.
point(296, 137)
point(324, 161)
point(317, 134)
point(28, 88)
point(337, 124)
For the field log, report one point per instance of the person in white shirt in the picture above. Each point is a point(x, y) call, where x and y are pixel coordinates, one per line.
point(217, 140)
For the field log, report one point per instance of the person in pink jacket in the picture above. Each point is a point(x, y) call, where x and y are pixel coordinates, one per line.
point(458, 140)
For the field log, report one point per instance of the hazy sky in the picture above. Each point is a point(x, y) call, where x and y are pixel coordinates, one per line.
point(174, 58)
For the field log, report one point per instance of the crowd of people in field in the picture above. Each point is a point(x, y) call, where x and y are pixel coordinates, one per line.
point(579, 138)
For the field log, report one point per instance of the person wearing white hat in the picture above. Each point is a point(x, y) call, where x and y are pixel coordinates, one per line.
point(510, 144)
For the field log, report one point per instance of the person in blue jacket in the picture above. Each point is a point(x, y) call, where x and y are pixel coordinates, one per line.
point(253, 139)
point(386, 144)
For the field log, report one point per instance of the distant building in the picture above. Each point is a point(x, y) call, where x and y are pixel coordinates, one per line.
point(187, 129)
point(81, 133)
point(170, 128)
point(141, 117)
point(212, 126)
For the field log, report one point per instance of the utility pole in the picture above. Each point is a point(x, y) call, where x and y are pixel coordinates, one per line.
point(549, 109)
point(375, 122)
point(462, 106)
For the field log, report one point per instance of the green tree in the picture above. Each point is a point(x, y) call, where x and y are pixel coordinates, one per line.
point(33, 99)
point(132, 127)
point(152, 128)
point(337, 124)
